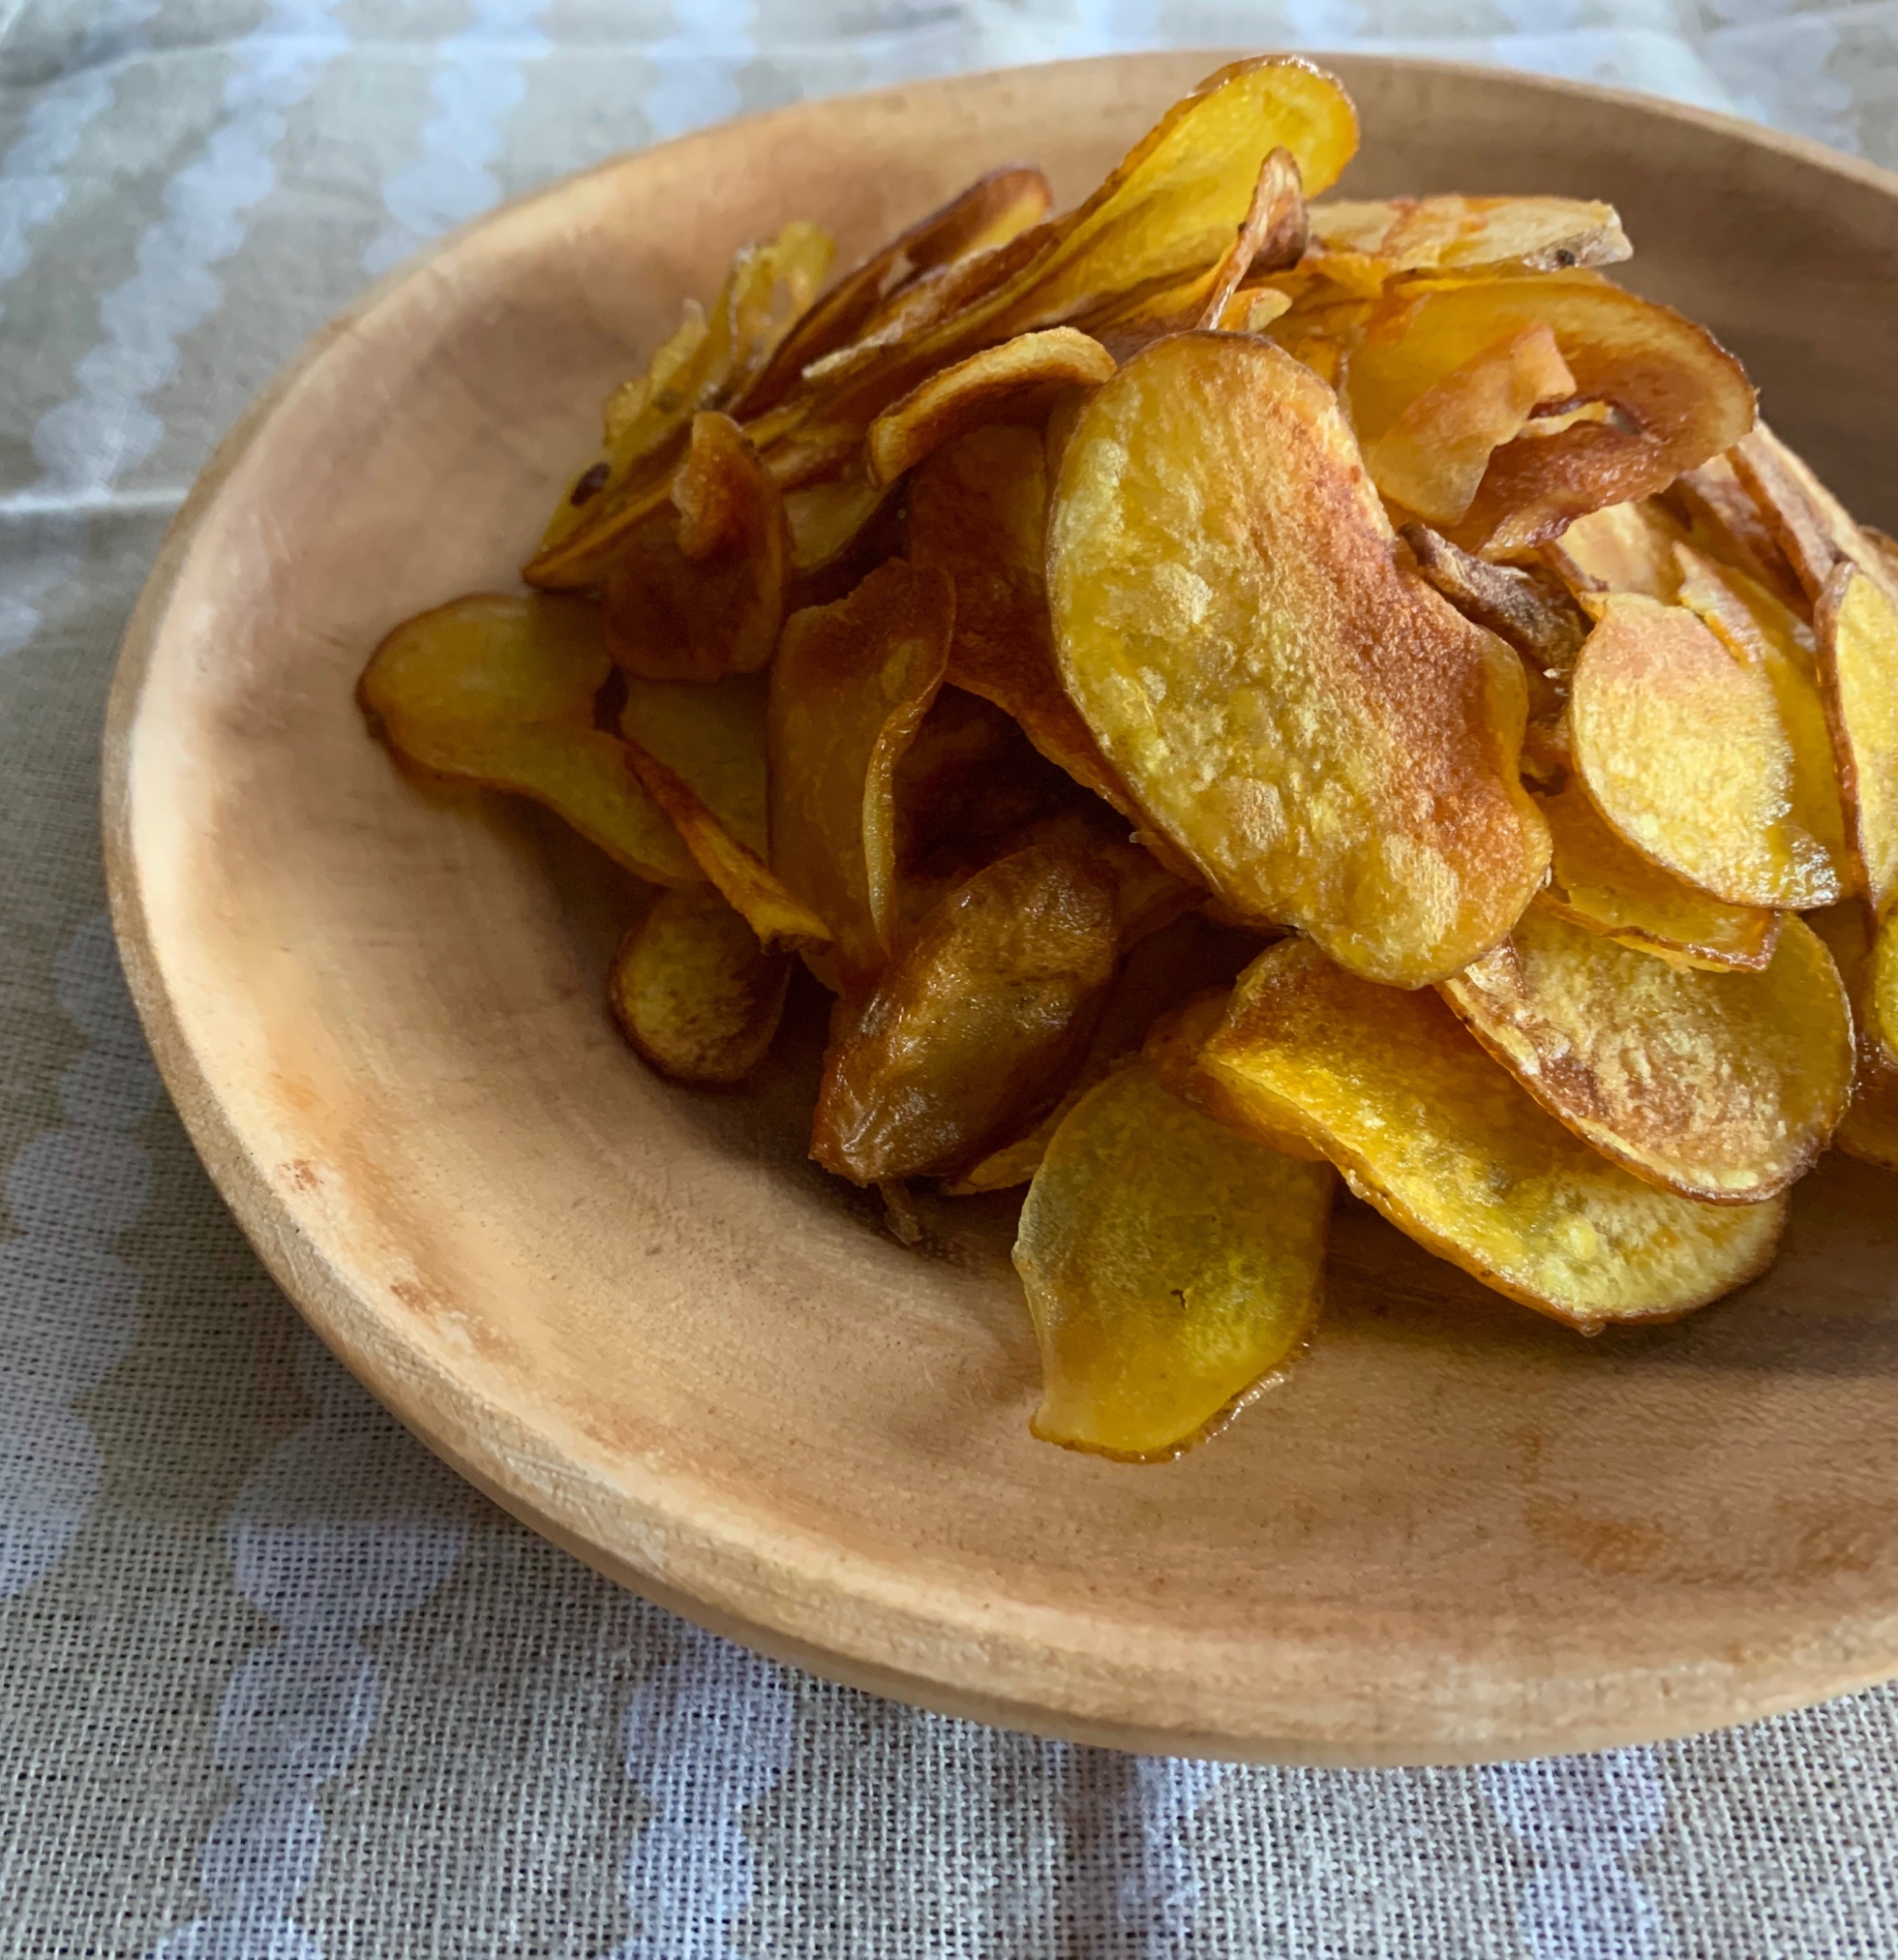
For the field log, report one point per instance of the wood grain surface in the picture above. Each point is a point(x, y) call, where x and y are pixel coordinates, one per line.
point(642, 1322)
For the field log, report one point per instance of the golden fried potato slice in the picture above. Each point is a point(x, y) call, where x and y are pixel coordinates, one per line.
point(1721, 1086)
point(1882, 1017)
point(978, 512)
point(700, 593)
point(693, 990)
point(1728, 525)
point(974, 1026)
point(1759, 629)
point(1678, 396)
point(1857, 624)
point(1453, 1151)
point(828, 520)
point(1170, 1267)
point(711, 735)
point(782, 921)
point(1683, 749)
point(1598, 881)
point(704, 365)
point(499, 690)
point(1623, 548)
point(1812, 528)
point(1270, 237)
point(1169, 209)
point(1463, 234)
point(849, 688)
point(1303, 720)
point(1525, 606)
point(1432, 458)
point(986, 387)
point(996, 208)
point(1188, 956)
point(1869, 1130)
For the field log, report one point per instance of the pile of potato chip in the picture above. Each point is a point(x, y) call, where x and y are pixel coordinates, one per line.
point(1225, 692)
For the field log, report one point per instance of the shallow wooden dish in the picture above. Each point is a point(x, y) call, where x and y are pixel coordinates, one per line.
point(639, 1319)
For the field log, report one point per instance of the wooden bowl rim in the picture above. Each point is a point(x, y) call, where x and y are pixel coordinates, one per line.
point(998, 1672)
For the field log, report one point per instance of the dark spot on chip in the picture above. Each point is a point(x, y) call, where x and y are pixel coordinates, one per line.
point(589, 485)
point(1563, 256)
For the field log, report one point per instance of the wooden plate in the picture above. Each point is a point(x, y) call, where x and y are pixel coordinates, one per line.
point(640, 1320)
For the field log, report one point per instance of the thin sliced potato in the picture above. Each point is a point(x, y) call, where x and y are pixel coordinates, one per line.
point(1322, 737)
point(1170, 1267)
point(975, 1024)
point(1432, 458)
point(1525, 606)
point(1168, 210)
point(978, 512)
point(1624, 547)
point(1187, 957)
point(499, 690)
point(1757, 628)
point(1678, 395)
point(1451, 1150)
point(1723, 1087)
point(1463, 234)
point(849, 688)
point(986, 387)
point(1683, 749)
point(711, 735)
point(782, 921)
point(828, 520)
point(1869, 1130)
point(1174, 1046)
point(1603, 883)
point(1728, 525)
point(704, 365)
point(994, 209)
point(1812, 528)
point(1882, 1019)
point(693, 990)
point(1858, 662)
point(702, 595)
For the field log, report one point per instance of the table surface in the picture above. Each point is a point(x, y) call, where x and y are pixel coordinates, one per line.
point(273, 1685)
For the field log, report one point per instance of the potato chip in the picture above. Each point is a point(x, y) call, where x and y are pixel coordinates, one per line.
point(1624, 547)
point(828, 520)
point(1721, 1086)
point(1882, 1017)
point(1598, 881)
point(1727, 524)
point(1812, 528)
point(1453, 1151)
point(1174, 1048)
point(986, 387)
point(996, 208)
point(1432, 458)
point(711, 735)
point(1462, 235)
point(499, 690)
point(849, 689)
point(1170, 1267)
point(1759, 629)
point(1325, 740)
point(692, 990)
point(1683, 749)
point(1525, 606)
point(978, 512)
point(974, 1026)
point(781, 920)
point(1270, 237)
point(704, 365)
point(1869, 1130)
point(703, 595)
point(1858, 662)
point(1166, 212)
point(1187, 957)
point(1678, 396)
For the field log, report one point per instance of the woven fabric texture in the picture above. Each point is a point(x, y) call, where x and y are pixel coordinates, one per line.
point(273, 1685)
